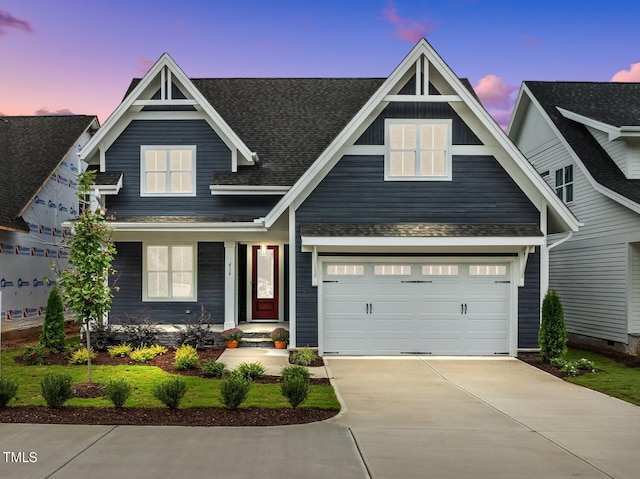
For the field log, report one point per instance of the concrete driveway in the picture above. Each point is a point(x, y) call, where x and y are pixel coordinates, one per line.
point(475, 418)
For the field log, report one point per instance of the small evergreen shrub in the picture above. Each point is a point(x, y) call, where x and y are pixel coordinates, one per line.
point(117, 391)
point(289, 372)
point(120, 351)
point(8, 390)
point(36, 354)
point(56, 389)
point(296, 390)
point(303, 356)
point(552, 336)
point(80, 356)
point(234, 390)
point(144, 353)
point(251, 371)
point(52, 333)
point(214, 368)
point(186, 357)
point(170, 391)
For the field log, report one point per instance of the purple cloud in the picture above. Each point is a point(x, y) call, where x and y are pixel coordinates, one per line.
point(8, 21)
point(45, 112)
point(409, 30)
point(497, 97)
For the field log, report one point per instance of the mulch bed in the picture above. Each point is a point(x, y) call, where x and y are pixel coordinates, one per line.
point(159, 416)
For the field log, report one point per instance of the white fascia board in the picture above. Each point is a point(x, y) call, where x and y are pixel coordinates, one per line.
point(214, 119)
point(310, 242)
point(598, 125)
point(617, 197)
point(248, 190)
point(189, 227)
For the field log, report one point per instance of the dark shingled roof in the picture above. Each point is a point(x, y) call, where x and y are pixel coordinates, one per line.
point(425, 230)
point(616, 104)
point(287, 121)
point(109, 178)
point(31, 148)
point(184, 219)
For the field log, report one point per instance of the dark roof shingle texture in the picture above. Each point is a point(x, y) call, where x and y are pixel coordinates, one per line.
point(31, 148)
point(616, 104)
point(421, 230)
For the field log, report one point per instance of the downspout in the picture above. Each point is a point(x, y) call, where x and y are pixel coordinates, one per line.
point(559, 242)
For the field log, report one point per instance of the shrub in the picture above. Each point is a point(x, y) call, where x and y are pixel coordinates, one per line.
point(140, 331)
point(56, 389)
point(574, 368)
point(8, 390)
point(289, 372)
point(80, 356)
point(117, 391)
point(52, 334)
point(214, 368)
point(186, 357)
point(552, 336)
point(234, 390)
point(120, 351)
point(233, 334)
point(279, 334)
point(35, 354)
point(170, 391)
point(303, 356)
point(146, 353)
point(197, 333)
point(102, 335)
point(250, 371)
point(295, 389)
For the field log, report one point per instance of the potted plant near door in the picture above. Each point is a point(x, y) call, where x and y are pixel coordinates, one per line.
point(232, 336)
point(280, 336)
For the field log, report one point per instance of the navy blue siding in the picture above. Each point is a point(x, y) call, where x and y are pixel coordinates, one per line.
point(355, 190)
point(529, 304)
point(212, 156)
point(128, 301)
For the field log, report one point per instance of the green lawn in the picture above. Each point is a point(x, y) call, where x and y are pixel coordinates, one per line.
point(612, 378)
point(201, 392)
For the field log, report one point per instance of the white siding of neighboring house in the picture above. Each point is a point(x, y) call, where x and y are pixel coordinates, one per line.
point(634, 323)
point(617, 150)
point(591, 271)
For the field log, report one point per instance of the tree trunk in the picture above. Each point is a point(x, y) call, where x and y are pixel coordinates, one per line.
point(87, 329)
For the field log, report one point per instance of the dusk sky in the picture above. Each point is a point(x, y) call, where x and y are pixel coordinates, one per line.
point(65, 56)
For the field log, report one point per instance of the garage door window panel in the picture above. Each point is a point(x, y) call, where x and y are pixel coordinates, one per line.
point(487, 270)
point(392, 270)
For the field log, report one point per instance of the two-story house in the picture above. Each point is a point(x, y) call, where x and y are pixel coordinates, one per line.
point(376, 215)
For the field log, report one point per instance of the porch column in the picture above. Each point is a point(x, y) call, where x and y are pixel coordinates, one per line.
point(230, 297)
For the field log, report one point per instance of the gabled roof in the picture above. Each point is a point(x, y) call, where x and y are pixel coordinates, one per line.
point(31, 148)
point(614, 104)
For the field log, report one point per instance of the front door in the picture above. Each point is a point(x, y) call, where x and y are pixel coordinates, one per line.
point(264, 282)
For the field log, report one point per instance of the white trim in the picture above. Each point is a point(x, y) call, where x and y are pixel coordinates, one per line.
point(168, 149)
point(292, 277)
point(187, 227)
point(614, 132)
point(230, 284)
point(523, 257)
point(145, 297)
point(168, 102)
point(110, 189)
point(309, 242)
point(423, 98)
point(248, 190)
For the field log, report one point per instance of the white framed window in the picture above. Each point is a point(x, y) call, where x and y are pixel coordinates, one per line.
point(167, 170)
point(417, 150)
point(564, 183)
point(345, 269)
point(392, 270)
point(440, 270)
point(487, 270)
point(169, 272)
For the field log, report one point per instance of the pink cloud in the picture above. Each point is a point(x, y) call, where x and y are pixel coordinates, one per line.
point(409, 30)
point(45, 112)
point(494, 92)
point(630, 75)
point(144, 64)
point(8, 21)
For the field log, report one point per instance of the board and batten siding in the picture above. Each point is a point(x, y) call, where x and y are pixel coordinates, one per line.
point(591, 271)
point(355, 191)
point(212, 156)
point(127, 302)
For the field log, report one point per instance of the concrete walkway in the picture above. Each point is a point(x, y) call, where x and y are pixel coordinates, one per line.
point(494, 418)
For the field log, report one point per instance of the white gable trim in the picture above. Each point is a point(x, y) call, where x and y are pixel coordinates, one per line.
point(412, 63)
point(167, 69)
point(525, 92)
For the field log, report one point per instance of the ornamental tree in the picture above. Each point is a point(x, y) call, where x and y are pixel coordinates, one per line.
point(84, 284)
point(552, 336)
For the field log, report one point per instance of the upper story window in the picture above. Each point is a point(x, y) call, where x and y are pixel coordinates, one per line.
point(564, 183)
point(418, 150)
point(168, 170)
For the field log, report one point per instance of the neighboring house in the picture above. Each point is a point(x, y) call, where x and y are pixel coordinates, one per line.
point(584, 139)
point(377, 216)
point(38, 179)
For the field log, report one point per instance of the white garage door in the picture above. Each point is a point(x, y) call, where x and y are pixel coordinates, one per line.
point(403, 308)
